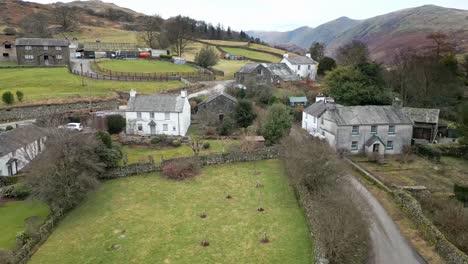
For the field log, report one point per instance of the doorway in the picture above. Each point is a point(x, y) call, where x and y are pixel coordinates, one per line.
point(153, 129)
point(46, 59)
point(376, 148)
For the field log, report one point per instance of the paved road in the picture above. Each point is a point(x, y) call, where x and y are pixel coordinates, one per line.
point(20, 123)
point(388, 245)
point(212, 87)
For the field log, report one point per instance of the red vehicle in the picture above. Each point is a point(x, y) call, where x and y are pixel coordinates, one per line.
point(144, 55)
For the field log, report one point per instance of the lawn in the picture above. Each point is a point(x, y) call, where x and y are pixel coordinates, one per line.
point(436, 177)
point(8, 63)
point(149, 219)
point(229, 67)
point(145, 66)
point(255, 55)
point(139, 154)
point(50, 83)
point(12, 216)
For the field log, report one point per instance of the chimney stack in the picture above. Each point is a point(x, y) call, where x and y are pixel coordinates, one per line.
point(133, 93)
point(308, 55)
point(286, 55)
point(397, 102)
point(183, 93)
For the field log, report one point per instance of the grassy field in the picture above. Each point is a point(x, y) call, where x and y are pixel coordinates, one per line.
point(149, 219)
point(145, 66)
point(58, 83)
point(226, 43)
point(138, 154)
point(8, 63)
point(229, 67)
point(91, 34)
point(436, 177)
point(255, 55)
point(12, 219)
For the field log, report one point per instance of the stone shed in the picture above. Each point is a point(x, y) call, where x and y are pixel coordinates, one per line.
point(214, 109)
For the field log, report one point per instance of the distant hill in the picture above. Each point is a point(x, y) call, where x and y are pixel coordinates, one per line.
point(384, 34)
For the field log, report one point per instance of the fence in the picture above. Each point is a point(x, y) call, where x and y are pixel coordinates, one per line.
point(160, 78)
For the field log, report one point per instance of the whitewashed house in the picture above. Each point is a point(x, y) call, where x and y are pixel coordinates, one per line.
point(304, 66)
point(369, 129)
point(158, 114)
point(20, 146)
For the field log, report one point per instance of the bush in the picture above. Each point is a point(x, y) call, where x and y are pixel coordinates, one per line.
point(116, 124)
point(167, 57)
point(461, 193)
point(180, 169)
point(226, 127)
point(277, 123)
point(176, 143)
point(19, 95)
point(429, 151)
point(6, 256)
point(207, 57)
point(244, 113)
point(159, 139)
point(17, 191)
point(206, 145)
point(9, 31)
point(8, 180)
point(454, 150)
point(105, 138)
point(8, 128)
point(8, 98)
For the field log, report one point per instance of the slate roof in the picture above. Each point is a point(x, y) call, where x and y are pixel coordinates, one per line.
point(216, 95)
point(282, 70)
point(422, 115)
point(17, 138)
point(300, 60)
point(156, 103)
point(317, 109)
point(368, 115)
point(372, 140)
point(297, 99)
point(249, 67)
point(41, 42)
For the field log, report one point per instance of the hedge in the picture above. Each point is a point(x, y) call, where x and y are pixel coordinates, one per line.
point(454, 150)
point(8, 180)
point(429, 151)
point(461, 193)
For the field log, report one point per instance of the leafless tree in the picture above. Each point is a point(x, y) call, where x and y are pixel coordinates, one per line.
point(150, 31)
point(35, 26)
point(178, 33)
point(66, 18)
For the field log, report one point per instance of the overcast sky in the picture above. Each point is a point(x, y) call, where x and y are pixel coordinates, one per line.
point(273, 14)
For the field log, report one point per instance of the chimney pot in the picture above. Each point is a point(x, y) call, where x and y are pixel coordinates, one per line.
point(308, 55)
point(133, 93)
point(286, 55)
point(183, 93)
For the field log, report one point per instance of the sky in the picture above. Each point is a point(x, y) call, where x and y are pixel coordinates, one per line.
point(273, 14)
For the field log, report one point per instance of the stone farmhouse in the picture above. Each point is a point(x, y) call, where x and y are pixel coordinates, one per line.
point(158, 114)
point(367, 129)
point(42, 52)
point(7, 49)
point(267, 73)
point(215, 108)
point(20, 146)
point(303, 66)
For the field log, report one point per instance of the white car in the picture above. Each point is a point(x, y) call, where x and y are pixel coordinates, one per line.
point(73, 126)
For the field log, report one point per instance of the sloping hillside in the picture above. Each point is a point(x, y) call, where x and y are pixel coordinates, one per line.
point(384, 34)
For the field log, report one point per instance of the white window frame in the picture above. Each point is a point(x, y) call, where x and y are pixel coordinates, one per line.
point(391, 145)
point(354, 131)
point(58, 48)
point(59, 57)
point(140, 127)
point(29, 57)
point(391, 129)
point(152, 115)
point(167, 116)
point(46, 48)
point(139, 115)
point(28, 47)
point(165, 127)
point(354, 146)
point(376, 130)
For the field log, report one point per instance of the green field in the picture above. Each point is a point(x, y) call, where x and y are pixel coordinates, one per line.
point(136, 154)
point(255, 55)
point(149, 219)
point(51, 83)
point(91, 34)
point(12, 216)
point(145, 66)
point(8, 63)
point(229, 67)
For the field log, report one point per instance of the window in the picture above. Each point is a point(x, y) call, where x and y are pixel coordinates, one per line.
point(58, 48)
point(29, 57)
point(140, 127)
point(299, 67)
point(152, 115)
point(308, 67)
point(165, 127)
point(59, 57)
point(373, 130)
point(28, 48)
point(167, 116)
point(39, 146)
point(139, 115)
point(355, 130)
point(315, 119)
point(259, 71)
point(391, 130)
point(7, 46)
point(321, 121)
point(390, 145)
point(354, 145)
point(6, 55)
point(174, 128)
point(323, 133)
point(46, 48)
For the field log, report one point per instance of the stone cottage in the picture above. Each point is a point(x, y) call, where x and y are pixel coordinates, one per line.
point(267, 73)
point(7, 49)
point(304, 66)
point(42, 52)
point(214, 109)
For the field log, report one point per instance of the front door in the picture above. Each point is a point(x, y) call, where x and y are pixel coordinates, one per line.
point(376, 148)
point(153, 129)
point(46, 59)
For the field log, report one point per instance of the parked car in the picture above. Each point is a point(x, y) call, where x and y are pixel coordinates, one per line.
point(73, 126)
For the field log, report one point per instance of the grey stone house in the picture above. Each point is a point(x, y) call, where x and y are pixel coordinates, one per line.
point(367, 129)
point(7, 49)
point(42, 52)
point(268, 73)
point(214, 109)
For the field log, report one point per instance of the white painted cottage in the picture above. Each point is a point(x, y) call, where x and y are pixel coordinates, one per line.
point(304, 66)
point(20, 146)
point(158, 114)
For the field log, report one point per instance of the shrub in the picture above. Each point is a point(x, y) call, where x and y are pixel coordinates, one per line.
point(8, 128)
point(207, 57)
point(244, 113)
point(206, 145)
point(277, 123)
point(8, 98)
point(226, 127)
point(429, 151)
point(461, 193)
point(116, 124)
point(8, 180)
point(19, 95)
point(454, 150)
point(159, 139)
point(105, 138)
point(17, 191)
point(9, 31)
point(176, 143)
point(163, 56)
point(6, 256)
point(180, 169)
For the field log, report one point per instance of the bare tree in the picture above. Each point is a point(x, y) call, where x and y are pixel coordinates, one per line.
point(441, 44)
point(35, 26)
point(353, 53)
point(178, 32)
point(66, 18)
point(150, 31)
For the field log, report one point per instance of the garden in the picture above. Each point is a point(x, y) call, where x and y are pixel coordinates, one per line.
point(233, 213)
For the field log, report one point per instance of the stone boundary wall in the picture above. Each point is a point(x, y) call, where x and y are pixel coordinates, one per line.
point(31, 112)
point(431, 233)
